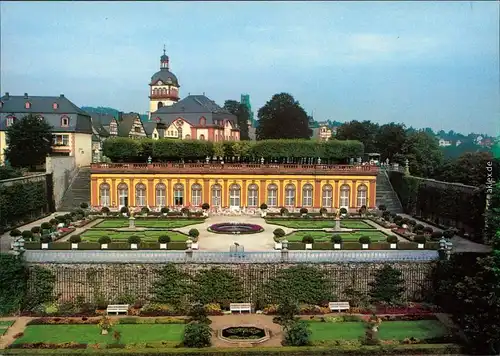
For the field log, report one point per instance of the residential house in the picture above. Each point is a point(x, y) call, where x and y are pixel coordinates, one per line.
point(130, 125)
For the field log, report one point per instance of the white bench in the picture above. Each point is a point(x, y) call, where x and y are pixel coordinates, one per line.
point(117, 308)
point(339, 306)
point(239, 307)
point(278, 246)
point(194, 246)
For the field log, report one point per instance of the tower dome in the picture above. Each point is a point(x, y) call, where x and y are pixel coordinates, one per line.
point(164, 86)
point(164, 74)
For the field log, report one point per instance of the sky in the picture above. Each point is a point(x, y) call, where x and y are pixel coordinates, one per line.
point(424, 64)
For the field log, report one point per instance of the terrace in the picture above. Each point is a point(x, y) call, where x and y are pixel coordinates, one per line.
point(234, 168)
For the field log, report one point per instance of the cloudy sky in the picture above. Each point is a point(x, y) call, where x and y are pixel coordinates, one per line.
point(422, 63)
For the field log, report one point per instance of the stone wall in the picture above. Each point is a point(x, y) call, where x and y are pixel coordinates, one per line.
point(113, 281)
point(63, 169)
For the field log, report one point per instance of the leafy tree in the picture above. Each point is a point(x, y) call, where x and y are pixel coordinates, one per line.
point(390, 139)
point(365, 132)
point(287, 309)
point(388, 286)
point(12, 283)
point(297, 334)
point(41, 288)
point(282, 117)
point(29, 141)
point(171, 286)
point(121, 149)
point(7, 172)
point(470, 168)
point(197, 335)
point(493, 215)
point(423, 153)
point(242, 114)
point(218, 286)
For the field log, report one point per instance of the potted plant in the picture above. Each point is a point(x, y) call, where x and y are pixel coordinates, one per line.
point(337, 241)
point(308, 240)
point(284, 211)
point(105, 324)
point(365, 242)
point(382, 207)
point(45, 239)
point(36, 230)
point(75, 240)
point(134, 242)
point(343, 212)
point(164, 211)
point(104, 241)
point(278, 233)
point(145, 211)
point(323, 212)
point(205, 206)
point(185, 211)
point(303, 211)
point(163, 240)
point(427, 230)
point(27, 235)
point(263, 210)
point(194, 233)
point(392, 240)
point(420, 240)
point(105, 211)
point(84, 205)
point(124, 211)
point(15, 233)
point(362, 210)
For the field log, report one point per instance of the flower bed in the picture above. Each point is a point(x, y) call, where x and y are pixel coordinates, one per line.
point(235, 228)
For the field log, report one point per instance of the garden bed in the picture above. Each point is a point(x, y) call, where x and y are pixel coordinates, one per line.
point(301, 223)
point(323, 236)
point(169, 223)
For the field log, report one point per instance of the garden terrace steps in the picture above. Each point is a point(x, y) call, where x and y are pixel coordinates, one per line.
point(386, 195)
point(78, 192)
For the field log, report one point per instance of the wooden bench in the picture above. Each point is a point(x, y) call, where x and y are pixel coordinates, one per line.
point(339, 306)
point(117, 308)
point(240, 307)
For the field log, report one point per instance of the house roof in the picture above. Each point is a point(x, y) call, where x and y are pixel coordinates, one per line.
point(149, 127)
point(100, 122)
point(125, 123)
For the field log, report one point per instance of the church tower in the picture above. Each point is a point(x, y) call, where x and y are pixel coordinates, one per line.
point(164, 86)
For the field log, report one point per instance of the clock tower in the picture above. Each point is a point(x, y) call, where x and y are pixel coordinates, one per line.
point(164, 86)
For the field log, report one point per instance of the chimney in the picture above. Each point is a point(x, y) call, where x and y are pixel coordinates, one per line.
point(61, 96)
point(6, 95)
point(26, 95)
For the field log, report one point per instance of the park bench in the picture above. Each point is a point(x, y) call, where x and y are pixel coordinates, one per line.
point(240, 307)
point(339, 306)
point(278, 246)
point(194, 246)
point(117, 308)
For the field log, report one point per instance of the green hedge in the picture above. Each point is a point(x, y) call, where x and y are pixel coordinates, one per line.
point(129, 150)
point(177, 245)
point(357, 246)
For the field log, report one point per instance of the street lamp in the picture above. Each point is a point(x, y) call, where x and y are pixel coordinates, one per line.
point(150, 160)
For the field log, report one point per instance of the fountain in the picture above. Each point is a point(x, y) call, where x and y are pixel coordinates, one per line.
point(244, 335)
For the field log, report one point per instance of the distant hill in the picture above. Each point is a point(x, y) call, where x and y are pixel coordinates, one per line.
point(109, 111)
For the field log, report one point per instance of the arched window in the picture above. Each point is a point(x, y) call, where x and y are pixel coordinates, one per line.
point(234, 195)
point(272, 195)
point(196, 194)
point(188, 137)
point(160, 105)
point(216, 195)
point(122, 195)
point(344, 196)
point(327, 198)
point(362, 190)
point(161, 195)
point(178, 194)
point(253, 195)
point(307, 195)
point(104, 195)
point(290, 195)
point(203, 121)
point(202, 137)
point(140, 195)
point(164, 91)
point(64, 121)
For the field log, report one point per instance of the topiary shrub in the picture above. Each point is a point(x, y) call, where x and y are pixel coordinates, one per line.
point(46, 226)
point(308, 239)
point(45, 239)
point(15, 233)
point(205, 206)
point(388, 286)
point(84, 205)
point(36, 229)
point(284, 211)
point(124, 210)
point(27, 235)
point(343, 211)
point(194, 233)
point(392, 239)
point(323, 211)
point(145, 210)
point(263, 206)
point(164, 239)
point(105, 210)
point(420, 239)
point(412, 222)
point(364, 240)
point(279, 232)
point(104, 240)
point(427, 230)
point(197, 335)
point(448, 234)
point(418, 227)
point(304, 211)
point(382, 207)
point(197, 312)
point(297, 334)
point(74, 239)
point(134, 239)
point(436, 235)
point(164, 210)
point(336, 239)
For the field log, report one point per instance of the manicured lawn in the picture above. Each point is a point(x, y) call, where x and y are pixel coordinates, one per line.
point(319, 224)
point(4, 325)
point(321, 236)
point(389, 330)
point(93, 235)
point(164, 223)
point(91, 334)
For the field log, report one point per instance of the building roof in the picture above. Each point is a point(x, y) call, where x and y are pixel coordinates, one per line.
point(149, 127)
point(125, 123)
point(100, 123)
point(166, 77)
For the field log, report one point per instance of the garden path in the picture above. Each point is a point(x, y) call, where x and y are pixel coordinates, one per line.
point(16, 328)
point(459, 243)
point(259, 320)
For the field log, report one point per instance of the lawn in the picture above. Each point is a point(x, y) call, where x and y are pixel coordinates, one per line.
point(91, 334)
point(321, 236)
point(319, 224)
point(93, 235)
point(159, 223)
point(389, 330)
point(4, 325)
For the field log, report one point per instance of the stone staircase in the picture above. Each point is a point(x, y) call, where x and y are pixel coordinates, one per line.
point(386, 194)
point(78, 192)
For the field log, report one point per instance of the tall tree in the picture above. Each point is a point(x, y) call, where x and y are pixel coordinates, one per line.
point(242, 114)
point(29, 141)
point(423, 153)
point(282, 117)
point(361, 131)
point(389, 140)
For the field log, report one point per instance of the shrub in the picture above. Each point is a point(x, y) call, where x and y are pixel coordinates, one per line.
point(436, 235)
point(323, 211)
point(36, 229)
point(15, 233)
point(308, 239)
point(263, 206)
point(297, 334)
point(392, 239)
point(124, 210)
point(164, 239)
point(386, 215)
point(427, 230)
point(185, 211)
point(388, 286)
point(279, 232)
point(448, 234)
point(418, 227)
point(336, 239)
point(27, 235)
point(364, 240)
point(194, 233)
point(343, 211)
point(134, 239)
point(105, 210)
point(412, 222)
point(104, 240)
point(197, 335)
point(420, 239)
point(397, 218)
point(304, 210)
point(45, 239)
point(84, 205)
point(145, 210)
point(74, 239)
point(164, 210)
point(205, 206)
point(198, 313)
point(382, 207)
point(284, 211)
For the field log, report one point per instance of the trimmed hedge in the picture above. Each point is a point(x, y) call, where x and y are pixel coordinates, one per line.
point(357, 246)
point(178, 245)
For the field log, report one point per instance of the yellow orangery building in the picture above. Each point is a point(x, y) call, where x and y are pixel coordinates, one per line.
point(233, 185)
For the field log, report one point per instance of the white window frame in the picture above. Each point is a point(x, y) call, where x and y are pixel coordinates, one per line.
point(104, 194)
point(234, 196)
point(178, 195)
point(196, 195)
point(216, 195)
point(290, 195)
point(307, 195)
point(344, 198)
point(272, 195)
point(122, 194)
point(327, 196)
point(253, 196)
point(362, 195)
point(161, 195)
point(140, 195)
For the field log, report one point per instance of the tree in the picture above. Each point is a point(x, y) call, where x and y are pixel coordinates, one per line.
point(470, 169)
point(171, 286)
point(361, 131)
point(197, 335)
point(29, 141)
point(423, 153)
point(387, 286)
point(389, 140)
point(282, 117)
point(493, 214)
point(218, 286)
point(242, 114)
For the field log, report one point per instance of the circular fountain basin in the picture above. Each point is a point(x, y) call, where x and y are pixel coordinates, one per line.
point(235, 228)
point(244, 334)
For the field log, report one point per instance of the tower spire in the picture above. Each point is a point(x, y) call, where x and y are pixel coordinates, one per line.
point(164, 50)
